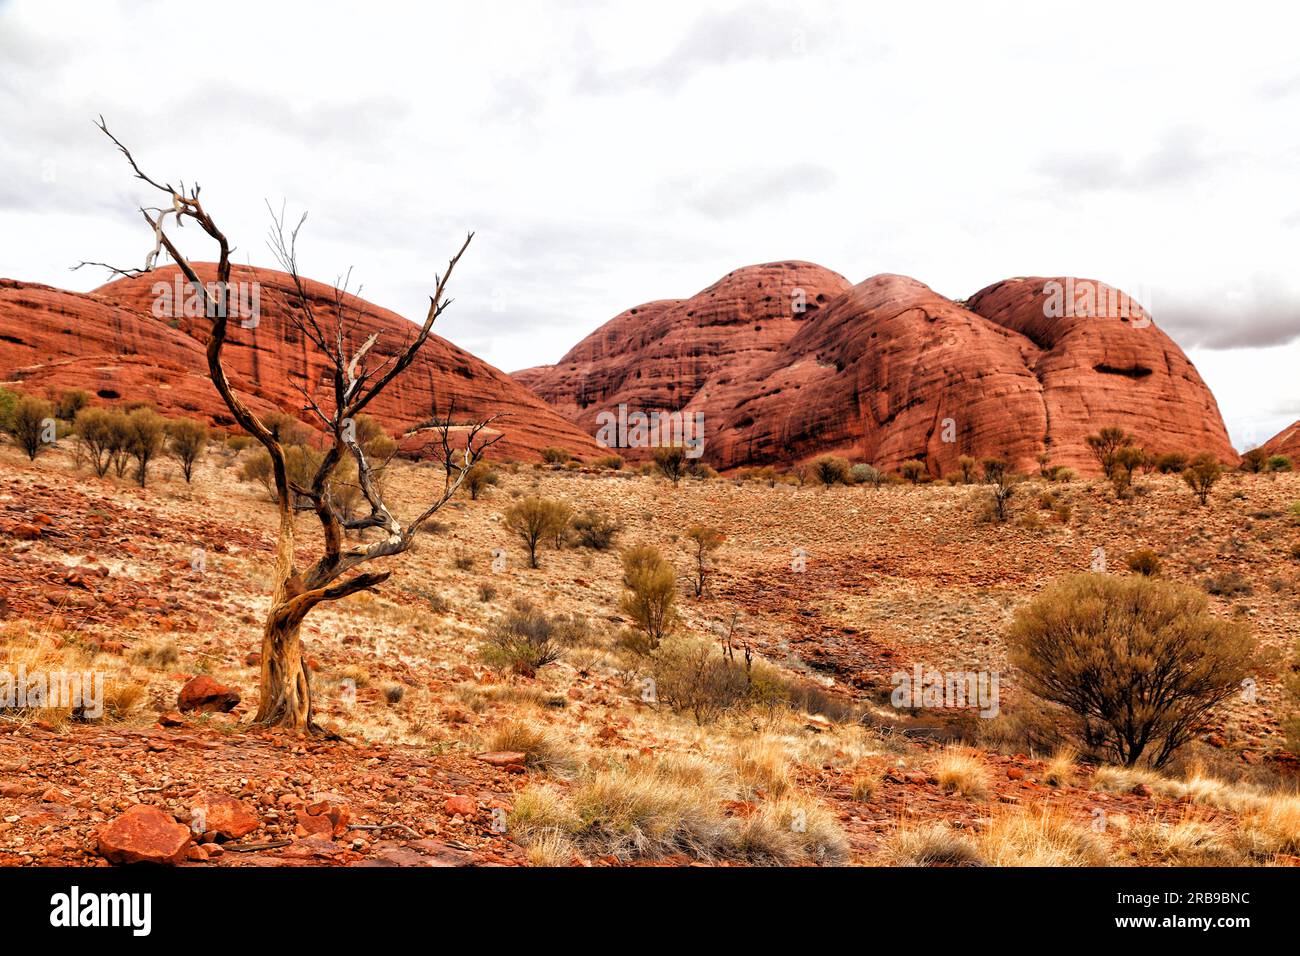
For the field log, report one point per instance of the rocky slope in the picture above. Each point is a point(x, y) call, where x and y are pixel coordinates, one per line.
point(890, 370)
point(111, 344)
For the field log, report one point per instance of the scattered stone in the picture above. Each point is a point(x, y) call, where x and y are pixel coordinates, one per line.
point(144, 834)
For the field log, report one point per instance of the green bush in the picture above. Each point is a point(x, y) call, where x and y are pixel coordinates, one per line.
point(1137, 663)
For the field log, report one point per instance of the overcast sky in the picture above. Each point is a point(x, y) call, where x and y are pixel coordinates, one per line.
point(612, 153)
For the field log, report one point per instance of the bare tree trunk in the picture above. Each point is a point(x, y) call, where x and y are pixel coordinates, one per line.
point(286, 685)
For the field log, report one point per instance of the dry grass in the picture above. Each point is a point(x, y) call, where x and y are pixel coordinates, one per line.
point(762, 767)
point(1060, 770)
point(960, 771)
point(930, 844)
point(1040, 836)
point(864, 786)
point(789, 831)
point(1188, 842)
point(542, 747)
point(651, 808)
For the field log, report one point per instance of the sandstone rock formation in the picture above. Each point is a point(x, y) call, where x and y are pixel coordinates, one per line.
point(1286, 442)
point(889, 370)
point(111, 343)
point(679, 353)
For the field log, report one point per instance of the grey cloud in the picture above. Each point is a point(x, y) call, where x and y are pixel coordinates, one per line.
point(737, 192)
point(751, 32)
point(1256, 313)
point(1181, 155)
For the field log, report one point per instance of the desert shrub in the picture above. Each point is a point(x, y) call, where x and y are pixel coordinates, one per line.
point(1063, 474)
point(1105, 445)
point(522, 640)
point(703, 541)
point(146, 432)
point(30, 423)
point(1138, 662)
point(1172, 462)
point(1001, 489)
point(1253, 460)
point(608, 462)
point(258, 468)
point(994, 468)
point(864, 474)
point(1230, 583)
point(462, 560)
point(186, 439)
point(1125, 460)
point(238, 443)
point(71, 402)
point(555, 456)
point(692, 676)
point(830, 470)
point(487, 593)
point(1277, 463)
point(651, 596)
point(1202, 475)
point(912, 470)
point(1143, 561)
point(534, 519)
point(594, 530)
point(286, 429)
point(969, 469)
point(671, 461)
point(478, 478)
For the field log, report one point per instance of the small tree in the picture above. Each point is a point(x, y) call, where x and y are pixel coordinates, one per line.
point(1202, 475)
point(651, 597)
point(532, 520)
point(71, 402)
point(968, 466)
point(146, 432)
point(523, 640)
point(1253, 460)
point(671, 462)
point(1001, 490)
point(994, 469)
point(1138, 662)
point(100, 436)
point(912, 470)
point(1104, 445)
point(186, 440)
point(1126, 459)
point(479, 478)
point(595, 530)
point(703, 541)
point(1171, 462)
point(830, 470)
point(31, 424)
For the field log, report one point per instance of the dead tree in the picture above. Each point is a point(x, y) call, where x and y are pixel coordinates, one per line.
point(353, 381)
